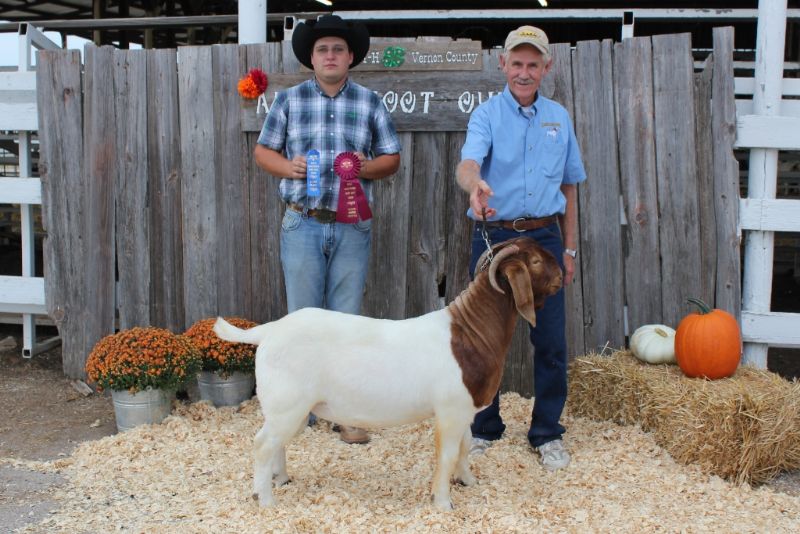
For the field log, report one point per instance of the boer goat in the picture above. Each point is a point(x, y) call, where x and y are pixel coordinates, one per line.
point(375, 373)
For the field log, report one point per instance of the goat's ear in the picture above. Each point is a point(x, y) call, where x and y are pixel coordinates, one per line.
point(519, 278)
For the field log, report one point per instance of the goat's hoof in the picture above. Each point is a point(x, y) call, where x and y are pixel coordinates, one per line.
point(266, 502)
point(442, 504)
point(467, 479)
point(279, 480)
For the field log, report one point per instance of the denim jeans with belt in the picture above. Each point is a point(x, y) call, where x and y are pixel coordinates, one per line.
point(324, 265)
point(549, 344)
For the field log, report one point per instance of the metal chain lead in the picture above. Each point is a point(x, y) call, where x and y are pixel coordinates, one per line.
point(485, 235)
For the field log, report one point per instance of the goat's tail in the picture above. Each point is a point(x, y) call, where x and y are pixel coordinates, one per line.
point(228, 332)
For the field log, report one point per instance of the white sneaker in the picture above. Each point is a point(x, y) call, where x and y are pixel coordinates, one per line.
point(479, 445)
point(554, 455)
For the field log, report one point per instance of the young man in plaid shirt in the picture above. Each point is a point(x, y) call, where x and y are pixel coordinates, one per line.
point(324, 261)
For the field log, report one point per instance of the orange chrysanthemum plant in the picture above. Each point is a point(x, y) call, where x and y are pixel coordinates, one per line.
point(222, 356)
point(141, 358)
point(253, 84)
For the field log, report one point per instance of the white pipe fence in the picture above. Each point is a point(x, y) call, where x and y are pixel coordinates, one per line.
point(24, 294)
point(766, 132)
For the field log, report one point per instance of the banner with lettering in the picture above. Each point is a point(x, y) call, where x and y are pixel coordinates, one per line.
point(420, 101)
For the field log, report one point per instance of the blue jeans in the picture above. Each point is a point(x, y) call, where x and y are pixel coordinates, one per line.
point(324, 265)
point(549, 344)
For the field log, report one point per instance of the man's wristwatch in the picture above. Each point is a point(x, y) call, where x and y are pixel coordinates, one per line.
point(570, 252)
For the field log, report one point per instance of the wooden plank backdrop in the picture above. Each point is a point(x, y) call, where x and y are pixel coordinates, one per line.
point(152, 174)
point(601, 233)
point(705, 186)
point(676, 175)
point(100, 151)
point(725, 177)
point(199, 194)
point(61, 168)
point(633, 60)
point(132, 222)
point(164, 191)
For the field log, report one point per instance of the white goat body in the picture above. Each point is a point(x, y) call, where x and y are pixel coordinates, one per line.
point(354, 370)
point(376, 373)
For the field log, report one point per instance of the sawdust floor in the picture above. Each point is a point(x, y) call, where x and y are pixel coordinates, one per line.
point(193, 474)
point(63, 469)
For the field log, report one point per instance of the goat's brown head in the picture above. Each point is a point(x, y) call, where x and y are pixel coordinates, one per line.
point(531, 271)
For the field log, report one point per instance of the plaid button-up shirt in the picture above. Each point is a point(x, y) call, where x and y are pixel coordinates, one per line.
point(303, 117)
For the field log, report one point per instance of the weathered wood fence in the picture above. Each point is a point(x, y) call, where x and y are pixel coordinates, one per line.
point(156, 211)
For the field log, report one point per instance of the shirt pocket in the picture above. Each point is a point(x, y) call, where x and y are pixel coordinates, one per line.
point(554, 154)
point(300, 137)
point(358, 133)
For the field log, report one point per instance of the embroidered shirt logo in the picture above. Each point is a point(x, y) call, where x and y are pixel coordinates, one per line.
point(552, 129)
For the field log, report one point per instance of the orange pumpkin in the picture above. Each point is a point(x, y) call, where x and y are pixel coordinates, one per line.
point(708, 343)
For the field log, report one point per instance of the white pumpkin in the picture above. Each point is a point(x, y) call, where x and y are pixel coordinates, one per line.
point(654, 343)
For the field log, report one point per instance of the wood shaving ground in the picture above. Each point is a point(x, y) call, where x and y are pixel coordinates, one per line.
point(193, 474)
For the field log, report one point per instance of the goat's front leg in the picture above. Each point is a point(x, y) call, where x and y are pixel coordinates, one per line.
point(448, 440)
point(463, 475)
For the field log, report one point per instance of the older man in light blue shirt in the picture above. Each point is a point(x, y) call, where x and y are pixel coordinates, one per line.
point(521, 165)
point(525, 155)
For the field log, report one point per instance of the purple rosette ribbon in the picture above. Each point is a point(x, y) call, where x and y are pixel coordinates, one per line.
point(353, 205)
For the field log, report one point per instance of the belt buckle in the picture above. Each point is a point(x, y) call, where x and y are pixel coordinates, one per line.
point(325, 216)
point(514, 224)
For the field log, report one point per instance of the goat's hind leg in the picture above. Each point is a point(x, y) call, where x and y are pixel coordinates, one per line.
point(463, 475)
point(279, 475)
point(270, 457)
point(263, 455)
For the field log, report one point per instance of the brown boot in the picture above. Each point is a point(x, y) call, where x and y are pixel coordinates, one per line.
point(351, 434)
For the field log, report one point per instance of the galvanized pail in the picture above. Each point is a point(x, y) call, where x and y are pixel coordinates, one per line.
point(230, 391)
point(141, 408)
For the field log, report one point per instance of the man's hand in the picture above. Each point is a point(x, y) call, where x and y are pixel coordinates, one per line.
point(298, 167)
point(468, 176)
point(569, 269)
point(277, 165)
point(479, 200)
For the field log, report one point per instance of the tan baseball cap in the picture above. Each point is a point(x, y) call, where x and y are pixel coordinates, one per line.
point(528, 35)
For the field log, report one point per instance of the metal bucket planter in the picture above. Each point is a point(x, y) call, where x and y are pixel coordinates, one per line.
point(230, 391)
point(150, 406)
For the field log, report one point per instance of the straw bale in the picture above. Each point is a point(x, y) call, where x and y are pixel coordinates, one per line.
point(193, 474)
point(745, 428)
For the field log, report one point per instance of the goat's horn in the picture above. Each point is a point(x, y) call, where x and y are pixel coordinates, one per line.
point(500, 256)
point(482, 257)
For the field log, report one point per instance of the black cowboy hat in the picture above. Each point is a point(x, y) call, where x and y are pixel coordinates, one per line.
point(306, 34)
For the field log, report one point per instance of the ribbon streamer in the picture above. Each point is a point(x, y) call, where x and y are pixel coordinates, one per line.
point(353, 205)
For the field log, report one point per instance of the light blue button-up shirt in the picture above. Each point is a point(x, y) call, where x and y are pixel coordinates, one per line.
point(523, 158)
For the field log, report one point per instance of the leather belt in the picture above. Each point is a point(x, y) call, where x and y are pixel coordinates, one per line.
point(522, 224)
point(323, 216)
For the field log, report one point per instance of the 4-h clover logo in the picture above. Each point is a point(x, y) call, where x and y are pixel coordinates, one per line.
point(394, 56)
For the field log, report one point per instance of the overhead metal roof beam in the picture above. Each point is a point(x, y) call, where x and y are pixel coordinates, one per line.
point(128, 23)
point(38, 12)
point(411, 15)
point(557, 14)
